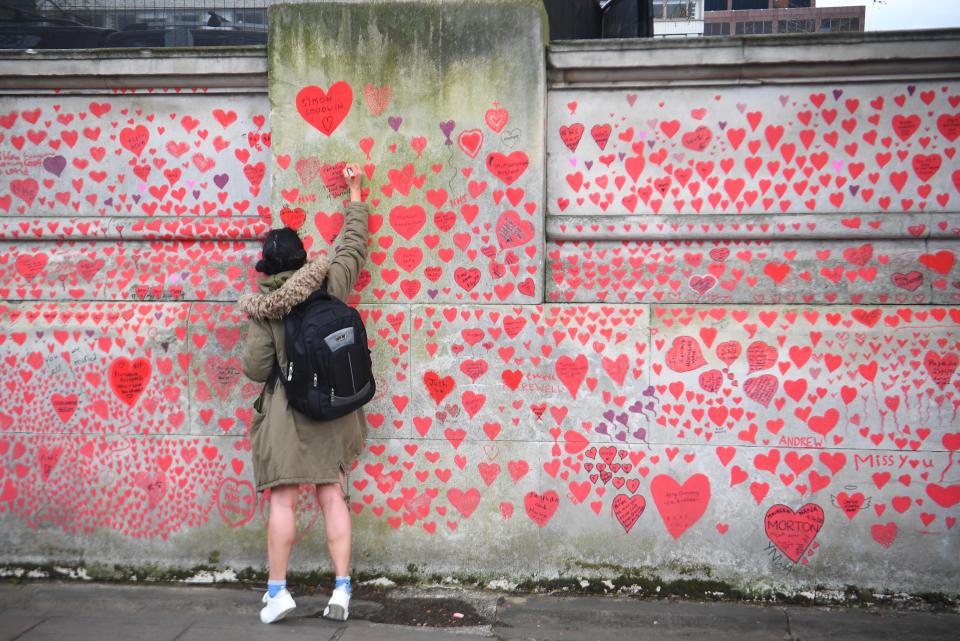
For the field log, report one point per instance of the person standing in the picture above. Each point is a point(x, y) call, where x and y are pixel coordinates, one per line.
point(290, 449)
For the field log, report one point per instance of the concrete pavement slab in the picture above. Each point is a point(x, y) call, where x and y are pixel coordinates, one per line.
point(815, 624)
point(615, 619)
point(106, 628)
point(363, 631)
point(13, 624)
point(250, 629)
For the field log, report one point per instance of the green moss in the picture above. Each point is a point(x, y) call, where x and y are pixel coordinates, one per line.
point(639, 582)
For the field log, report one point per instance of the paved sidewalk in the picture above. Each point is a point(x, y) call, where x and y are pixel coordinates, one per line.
point(51, 611)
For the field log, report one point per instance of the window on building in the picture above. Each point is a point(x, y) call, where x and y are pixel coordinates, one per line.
point(674, 9)
point(681, 9)
point(743, 5)
point(715, 5)
point(754, 27)
point(840, 24)
point(716, 29)
point(251, 17)
point(796, 26)
point(791, 4)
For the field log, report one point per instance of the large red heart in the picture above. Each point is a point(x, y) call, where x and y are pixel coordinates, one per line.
point(680, 506)
point(541, 507)
point(129, 378)
point(793, 532)
point(507, 168)
point(628, 509)
point(325, 110)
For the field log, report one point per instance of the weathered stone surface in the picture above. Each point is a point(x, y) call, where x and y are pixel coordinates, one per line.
point(442, 105)
point(842, 147)
point(757, 272)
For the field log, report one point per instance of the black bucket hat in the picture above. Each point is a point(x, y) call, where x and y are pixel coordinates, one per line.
point(282, 251)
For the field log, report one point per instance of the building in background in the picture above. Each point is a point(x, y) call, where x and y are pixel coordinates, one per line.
point(746, 17)
point(677, 18)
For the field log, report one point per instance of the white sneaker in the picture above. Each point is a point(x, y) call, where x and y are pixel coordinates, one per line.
point(338, 608)
point(278, 607)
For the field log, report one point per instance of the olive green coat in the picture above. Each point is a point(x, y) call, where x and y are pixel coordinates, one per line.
point(288, 447)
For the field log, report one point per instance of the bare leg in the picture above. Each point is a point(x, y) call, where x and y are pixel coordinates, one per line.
point(281, 529)
point(336, 521)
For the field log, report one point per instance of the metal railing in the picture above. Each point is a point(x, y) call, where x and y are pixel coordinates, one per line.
point(78, 24)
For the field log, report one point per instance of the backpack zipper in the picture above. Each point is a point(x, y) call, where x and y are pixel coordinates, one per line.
point(353, 381)
point(290, 371)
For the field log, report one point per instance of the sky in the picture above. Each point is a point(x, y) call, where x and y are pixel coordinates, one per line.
point(905, 14)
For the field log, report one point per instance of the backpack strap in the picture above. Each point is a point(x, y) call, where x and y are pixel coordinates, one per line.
point(268, 385)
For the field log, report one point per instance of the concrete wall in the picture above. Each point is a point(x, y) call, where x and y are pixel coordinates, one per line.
point(760, 393)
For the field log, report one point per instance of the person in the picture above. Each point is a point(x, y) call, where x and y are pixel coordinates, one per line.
point(290, 449)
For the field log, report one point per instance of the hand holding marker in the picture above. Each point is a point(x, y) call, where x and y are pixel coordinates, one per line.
point(352, 175)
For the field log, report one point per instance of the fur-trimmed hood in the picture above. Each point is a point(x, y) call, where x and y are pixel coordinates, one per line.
point(282, 292)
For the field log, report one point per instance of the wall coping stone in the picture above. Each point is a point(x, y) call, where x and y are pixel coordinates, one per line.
point(779, 59)
point(216, 69)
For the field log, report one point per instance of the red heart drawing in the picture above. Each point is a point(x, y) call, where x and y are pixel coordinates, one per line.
point(465, 502)
point(884, 534)
point(438, 387)
point(134, 139)
point(512, 231)
point(325, 110)
point(941, 367)
point(684, 355)
point(377, 98)
point(470, 141)
point(236, 501)
point(508, 168)
point(628, 509)
point(680, 506)
point(128, 379)
point(793, 532)
point(761, 388)
point(571, 372)
point(541, 507)
point(851, 504)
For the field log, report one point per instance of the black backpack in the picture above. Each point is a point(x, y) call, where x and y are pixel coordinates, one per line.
point(329, 370)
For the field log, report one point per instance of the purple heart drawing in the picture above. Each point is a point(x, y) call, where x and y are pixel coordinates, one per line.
point(722, 124)
point(837, 93)
point(447, 129)
point(394, 122)
point(220, 180)
point(55, 164)
point(136, 198)
point(640, 434)
point(601, 429)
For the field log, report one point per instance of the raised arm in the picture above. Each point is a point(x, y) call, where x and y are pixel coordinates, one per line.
point(351, 253)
